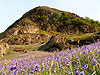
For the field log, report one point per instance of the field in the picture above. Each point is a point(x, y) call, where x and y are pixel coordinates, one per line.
point(83, 60)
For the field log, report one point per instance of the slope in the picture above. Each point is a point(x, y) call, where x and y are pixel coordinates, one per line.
point(42, 23)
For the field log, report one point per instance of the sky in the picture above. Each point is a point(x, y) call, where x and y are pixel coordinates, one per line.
point(12, 10)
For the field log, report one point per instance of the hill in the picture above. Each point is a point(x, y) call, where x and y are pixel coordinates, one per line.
point(58, 29)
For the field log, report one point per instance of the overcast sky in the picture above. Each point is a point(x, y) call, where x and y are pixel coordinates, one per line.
point(11, 10)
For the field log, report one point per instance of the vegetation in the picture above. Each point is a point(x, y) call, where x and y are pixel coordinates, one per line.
point(55, 30)
point(50, 19)
point(60, 19)
point(77, 37)
point(83, 60)
point(42, 23)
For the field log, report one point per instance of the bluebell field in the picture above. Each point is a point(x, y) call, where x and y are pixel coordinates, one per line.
point(83, 60)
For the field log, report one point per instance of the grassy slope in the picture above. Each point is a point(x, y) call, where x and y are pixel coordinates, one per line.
point(76, 37)
point(34, 47)
point(13, 54)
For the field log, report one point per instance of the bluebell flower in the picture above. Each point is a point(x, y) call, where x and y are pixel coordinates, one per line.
point(69, 72)
point(58, 58)
point(54, 65)
point(82, 73)
point(28, 74)
point(85, 66)
point(22, 70)
point(37, 65)
point(37, 70)
point(55, 57)
point(91, 55)
point(93, 49)
point(16, 72)
point(78, 65)
point(86, 59)
point(48, 68)
point(94, 61)
point(13, 68)
point(31, 71)
point(61, 60)
point(83, 52)
point(77, 57)
point(47, 65)
point(43, 69)
point(96, 51)
point(58, 69)
point(75, 64)
point(76, 71)
point(97, 40)
point(54, 70)
point(98, 60)
point(4, 72)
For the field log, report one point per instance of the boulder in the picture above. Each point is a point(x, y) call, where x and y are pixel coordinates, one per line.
point(55, 43)
point(3, 49)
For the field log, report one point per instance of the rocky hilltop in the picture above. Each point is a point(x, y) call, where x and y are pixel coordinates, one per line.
point(51, 26)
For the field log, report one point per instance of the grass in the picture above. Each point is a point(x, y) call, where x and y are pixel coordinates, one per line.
point(76, 37)
point(12, 54)
point(82, 60)
point(28, 47)
point(44, 32)
point(55, 33)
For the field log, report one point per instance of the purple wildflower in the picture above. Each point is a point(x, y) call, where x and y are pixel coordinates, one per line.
point(84, 52)
point(82, 73)
point(13, 68)
point(37, 70)
point(91, 56)
point(96, 51)
point(43, 69)
point(94, 61)
point(54, 70)
point(78, 65)
point(75, 64)
point(69, 72)
point(76, 71)
point(84, 66)
point(16, 72)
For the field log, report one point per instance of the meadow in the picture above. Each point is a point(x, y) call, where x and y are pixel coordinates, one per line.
point(83, 60)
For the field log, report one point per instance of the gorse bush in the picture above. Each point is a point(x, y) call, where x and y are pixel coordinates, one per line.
point(83, 60)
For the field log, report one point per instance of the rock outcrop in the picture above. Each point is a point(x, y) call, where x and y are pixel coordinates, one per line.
point(86, 41)
point(19, 49)
point(27, 29)
point(56, 43)
point(59, 42)
point(47, 25)
point(3, 49)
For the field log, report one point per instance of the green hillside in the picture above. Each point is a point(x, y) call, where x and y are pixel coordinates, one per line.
point(42, 23)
